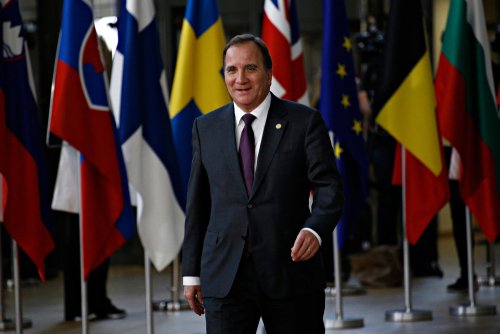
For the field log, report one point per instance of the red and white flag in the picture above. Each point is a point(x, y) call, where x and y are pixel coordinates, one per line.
point(280, 32)
point(81, 116)
point(24, 183)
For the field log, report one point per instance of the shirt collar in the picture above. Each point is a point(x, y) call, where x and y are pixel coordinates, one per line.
point(259, 112)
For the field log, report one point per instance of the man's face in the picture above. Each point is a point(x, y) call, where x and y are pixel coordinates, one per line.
point(247, 80)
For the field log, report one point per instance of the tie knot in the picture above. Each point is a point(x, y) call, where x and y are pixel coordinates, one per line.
point(248, 119)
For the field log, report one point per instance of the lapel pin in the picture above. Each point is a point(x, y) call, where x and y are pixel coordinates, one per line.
point(278, 126)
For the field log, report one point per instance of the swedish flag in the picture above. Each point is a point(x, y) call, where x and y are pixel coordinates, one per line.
point(198, 86)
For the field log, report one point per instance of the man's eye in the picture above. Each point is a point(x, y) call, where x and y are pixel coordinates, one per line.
point(252, 68)
point(230, 69)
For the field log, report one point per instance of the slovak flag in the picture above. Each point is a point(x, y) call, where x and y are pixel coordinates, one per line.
point(81, 116)
point(25, 198)
point(139, 97)
point(280, 32)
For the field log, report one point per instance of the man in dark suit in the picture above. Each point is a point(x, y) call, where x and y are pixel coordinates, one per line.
point(251, 242)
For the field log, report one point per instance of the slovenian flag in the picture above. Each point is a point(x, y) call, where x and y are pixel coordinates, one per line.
point(25, 197)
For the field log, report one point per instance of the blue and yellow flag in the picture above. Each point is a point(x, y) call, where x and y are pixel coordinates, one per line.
point(198, 86)
point(340, 109)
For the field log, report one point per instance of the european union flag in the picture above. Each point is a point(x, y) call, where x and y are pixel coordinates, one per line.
point(198, 86)
point(340, 109)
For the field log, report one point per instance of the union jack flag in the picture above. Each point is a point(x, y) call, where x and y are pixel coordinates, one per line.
point(280, 32)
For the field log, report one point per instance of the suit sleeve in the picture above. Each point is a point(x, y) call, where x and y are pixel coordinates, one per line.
point(197, 210)
point(325, 179)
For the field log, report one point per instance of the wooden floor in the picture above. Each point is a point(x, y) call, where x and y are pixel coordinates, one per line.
point(43, 304)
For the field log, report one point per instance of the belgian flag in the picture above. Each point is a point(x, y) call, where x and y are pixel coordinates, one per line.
point(406, 104)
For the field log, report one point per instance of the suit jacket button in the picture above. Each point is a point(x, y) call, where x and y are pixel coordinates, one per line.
point(250, 206)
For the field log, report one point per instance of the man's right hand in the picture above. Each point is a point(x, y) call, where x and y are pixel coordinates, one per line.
point(195, 298)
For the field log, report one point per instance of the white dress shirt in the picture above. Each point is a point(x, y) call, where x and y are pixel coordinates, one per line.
point(258, 124)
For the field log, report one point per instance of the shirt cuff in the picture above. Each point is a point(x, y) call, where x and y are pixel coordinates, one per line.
point(191, 280)
point(313, 232)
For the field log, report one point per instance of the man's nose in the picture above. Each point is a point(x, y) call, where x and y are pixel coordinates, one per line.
point(241, 77)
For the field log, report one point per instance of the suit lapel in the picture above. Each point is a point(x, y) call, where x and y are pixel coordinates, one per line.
point(228, 146)
point(273, 131)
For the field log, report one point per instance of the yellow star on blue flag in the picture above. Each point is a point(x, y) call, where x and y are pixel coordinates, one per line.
point(337, 150)
point(341, 70)
point(345, 101)
point(347, 44)
point(357, 127)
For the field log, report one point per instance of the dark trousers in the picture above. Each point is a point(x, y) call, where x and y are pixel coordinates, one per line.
point(459, 227)
point(457, 208)
point(382, 148)
point(96, 283)
point(424, 253)
point(241, 310)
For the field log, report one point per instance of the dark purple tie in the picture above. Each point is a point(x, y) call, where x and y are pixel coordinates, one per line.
point(247, 151)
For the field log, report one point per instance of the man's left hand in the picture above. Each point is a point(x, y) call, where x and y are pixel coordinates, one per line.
point(305, 247)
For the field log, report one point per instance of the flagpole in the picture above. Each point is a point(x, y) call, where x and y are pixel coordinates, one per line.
point(149, 294)
point(17, 289)
point(5, 324)
point(83, 283)
point(339, 322)
point(175, 304)
point(491, 279)
point(347, 290)
point(471, 309)
point(20, 322)
point(408, 314)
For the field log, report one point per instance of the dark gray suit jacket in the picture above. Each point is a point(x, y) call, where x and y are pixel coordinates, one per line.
point(295, 158)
